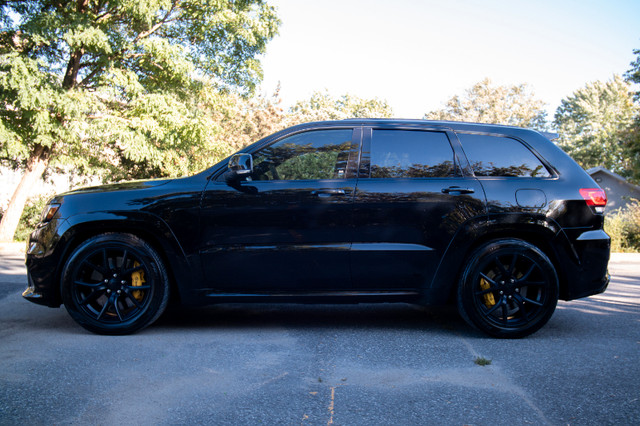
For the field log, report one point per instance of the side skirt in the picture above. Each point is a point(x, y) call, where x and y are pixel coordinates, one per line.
point(316, 297)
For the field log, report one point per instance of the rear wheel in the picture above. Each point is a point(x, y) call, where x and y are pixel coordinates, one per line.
point(115, 284)
point(509, 289)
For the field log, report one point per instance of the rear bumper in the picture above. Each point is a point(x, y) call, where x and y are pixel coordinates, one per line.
point(585, 269)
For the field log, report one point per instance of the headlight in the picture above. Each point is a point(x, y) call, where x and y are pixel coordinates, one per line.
point(49, 212)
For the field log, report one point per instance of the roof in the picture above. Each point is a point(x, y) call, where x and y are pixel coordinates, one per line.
point(453, 125)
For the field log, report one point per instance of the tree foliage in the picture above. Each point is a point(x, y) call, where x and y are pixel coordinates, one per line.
point(596, 125)
point(633, 75)
point(486, 103)
point(116, 85)
point(322, 106)
point(238, 121)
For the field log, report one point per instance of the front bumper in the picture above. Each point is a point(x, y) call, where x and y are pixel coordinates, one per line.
point(32, 295)
point(40, 295)
point(43, 261)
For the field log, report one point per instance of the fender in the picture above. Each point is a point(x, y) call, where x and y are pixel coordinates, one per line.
point(528, 226)
point(150, 227)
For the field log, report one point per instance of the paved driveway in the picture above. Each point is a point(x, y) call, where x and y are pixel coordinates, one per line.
point(317, 365)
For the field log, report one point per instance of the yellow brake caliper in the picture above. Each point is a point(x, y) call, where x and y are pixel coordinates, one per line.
point(489, 300)
point(137, 279)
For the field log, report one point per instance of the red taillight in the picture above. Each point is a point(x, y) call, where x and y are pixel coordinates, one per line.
point(594, 196)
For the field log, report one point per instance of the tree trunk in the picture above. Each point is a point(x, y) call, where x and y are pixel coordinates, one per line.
point(36, 166)
point(73, 67)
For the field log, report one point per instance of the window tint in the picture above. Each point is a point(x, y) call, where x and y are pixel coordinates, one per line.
point(321, 154)
point(501, 156)
point(410, 154)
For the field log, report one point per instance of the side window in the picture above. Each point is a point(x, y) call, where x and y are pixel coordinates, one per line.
point(319, 154)
point(410, 154)
point(501, 156)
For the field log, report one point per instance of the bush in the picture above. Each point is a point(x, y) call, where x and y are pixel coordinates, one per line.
point(30, 217)
point(623, 226)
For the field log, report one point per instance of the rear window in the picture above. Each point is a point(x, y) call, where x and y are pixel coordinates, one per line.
point(410, 154)
point(501, 156)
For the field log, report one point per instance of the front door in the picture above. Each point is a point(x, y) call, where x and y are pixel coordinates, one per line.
point(286, 228)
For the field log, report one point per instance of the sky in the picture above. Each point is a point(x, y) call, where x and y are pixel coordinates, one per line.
point(416, 54)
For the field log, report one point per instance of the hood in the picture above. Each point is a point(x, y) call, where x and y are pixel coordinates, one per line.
point(125, 186)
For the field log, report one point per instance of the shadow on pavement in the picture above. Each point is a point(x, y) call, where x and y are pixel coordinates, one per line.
point(295, 316)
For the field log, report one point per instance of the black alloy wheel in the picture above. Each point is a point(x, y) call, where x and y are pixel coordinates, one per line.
point(509, 289)
point(115, 284)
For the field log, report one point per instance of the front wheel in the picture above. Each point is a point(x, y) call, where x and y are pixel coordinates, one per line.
point(509, 289)
point(115, 284)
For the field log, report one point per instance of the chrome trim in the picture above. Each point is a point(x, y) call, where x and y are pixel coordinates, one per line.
point(389, 247)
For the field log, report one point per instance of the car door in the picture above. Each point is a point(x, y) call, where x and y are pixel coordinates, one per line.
point(411, 198)
point(287, 227)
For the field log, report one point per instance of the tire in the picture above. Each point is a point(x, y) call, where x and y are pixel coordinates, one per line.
point(508, 289)
point(114, 284)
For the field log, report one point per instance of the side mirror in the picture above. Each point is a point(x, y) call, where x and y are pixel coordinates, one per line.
point(241, 164)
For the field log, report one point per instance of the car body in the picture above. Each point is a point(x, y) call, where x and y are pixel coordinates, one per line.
point(496, 218)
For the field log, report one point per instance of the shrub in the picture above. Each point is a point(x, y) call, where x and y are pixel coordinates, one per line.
point(30, 217)
point(623, 226)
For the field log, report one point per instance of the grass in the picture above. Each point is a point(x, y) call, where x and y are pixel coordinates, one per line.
point(481, 361)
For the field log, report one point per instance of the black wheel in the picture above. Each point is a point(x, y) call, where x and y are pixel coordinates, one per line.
point(115, 284)
point(509, 289)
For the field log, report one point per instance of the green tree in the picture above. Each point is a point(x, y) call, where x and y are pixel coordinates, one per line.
point(322, 106)
point(238, 121)
point(116, 85)
point(633, 75)
point(486, 103)
point(595, 125)
point(633, 151)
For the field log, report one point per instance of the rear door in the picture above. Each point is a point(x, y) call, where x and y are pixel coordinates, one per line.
point(412, 196)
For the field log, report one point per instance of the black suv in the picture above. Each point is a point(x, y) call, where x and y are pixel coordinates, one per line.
point(496, 219)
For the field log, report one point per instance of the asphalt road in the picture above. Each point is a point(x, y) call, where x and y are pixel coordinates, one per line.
point(317, 365)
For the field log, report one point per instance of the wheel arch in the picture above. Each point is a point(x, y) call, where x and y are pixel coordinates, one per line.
point(145, 226)
point(542, 233)
point(507, 300)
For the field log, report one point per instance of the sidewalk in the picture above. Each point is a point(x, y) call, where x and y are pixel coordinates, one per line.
point(12, 269)
point(13, 248)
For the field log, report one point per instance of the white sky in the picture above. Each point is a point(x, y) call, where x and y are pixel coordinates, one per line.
point(416, 54)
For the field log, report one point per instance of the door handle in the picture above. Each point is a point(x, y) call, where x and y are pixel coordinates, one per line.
point(457, 190)
point(323, 193)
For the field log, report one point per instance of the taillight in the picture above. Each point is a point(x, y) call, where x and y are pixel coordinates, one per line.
point(595, 197)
